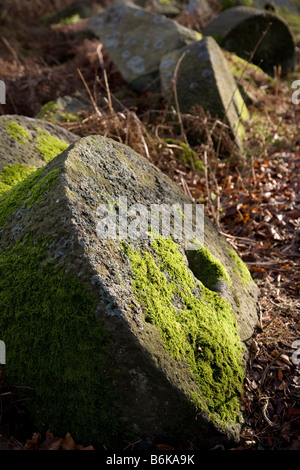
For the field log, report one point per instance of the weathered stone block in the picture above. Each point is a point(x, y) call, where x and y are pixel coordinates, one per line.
point(27, 144)
point(120, 337)
point(136, 40)
point(204, 79)
point(247, 31)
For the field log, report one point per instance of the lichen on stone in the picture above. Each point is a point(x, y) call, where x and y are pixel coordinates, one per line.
point(200, 329)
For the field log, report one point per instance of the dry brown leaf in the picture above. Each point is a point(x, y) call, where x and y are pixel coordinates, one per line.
point(33, 442)
point(164, 447)
point(51, 442)
point(81, 447)
point(68, 443)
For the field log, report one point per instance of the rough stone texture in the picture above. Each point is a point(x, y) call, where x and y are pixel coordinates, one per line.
point(239, 30)
point(14, 150)
point(136, 40)
point(141, 384)
point(204, 8)
point(169, 8)
point(204, 79)
point(173, 8)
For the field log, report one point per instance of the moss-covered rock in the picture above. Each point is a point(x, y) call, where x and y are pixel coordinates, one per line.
point(64, 109)
point(249, 31)
point(136, 39)
point(69, 15)
point(29, 143)
point(203, 78)
point(119, 337)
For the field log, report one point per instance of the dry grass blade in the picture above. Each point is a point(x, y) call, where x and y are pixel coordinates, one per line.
point(89, 92)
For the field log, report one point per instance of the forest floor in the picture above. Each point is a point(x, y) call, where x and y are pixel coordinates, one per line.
point(256, 205)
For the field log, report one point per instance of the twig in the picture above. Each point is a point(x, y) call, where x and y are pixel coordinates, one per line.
point(207, 185)
point(132, 444)
point(264, 374)
point(90, 94)
point(138, 124)
point(264, 411)
point(186, 188)
point(101, 60)
point(11, 49)
point(176, 97)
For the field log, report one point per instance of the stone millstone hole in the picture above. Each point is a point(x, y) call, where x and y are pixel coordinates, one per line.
point(205, 269)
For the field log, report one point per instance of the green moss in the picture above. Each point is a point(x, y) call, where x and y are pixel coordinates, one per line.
point(165, 2)
point(242, 68)
point(207, 268)
point(13, 174)
point(3, 188)
point(52, 113)
point(44, 184)
point(71, 19)
point(54, 343)
point(241, 268)
point(240, 105)
point(48, 111)
point(238, 65)
point(50, 146)
point(202, 331)
point(17, 132)
point(185, 153)
point(231, 3)
point(26, 193)
point(70, 117)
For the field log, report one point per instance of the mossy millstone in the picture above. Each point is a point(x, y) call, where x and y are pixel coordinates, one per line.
point(245, 30)
point(204, 79)
point(119, 338)
point(30, 142)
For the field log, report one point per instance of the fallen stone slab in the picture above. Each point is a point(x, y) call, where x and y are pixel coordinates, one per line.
point(136, 40)
point(247, 31)
point(203, 78)
point(119, 329)
point(27, 144)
